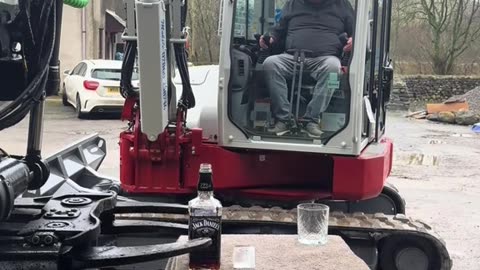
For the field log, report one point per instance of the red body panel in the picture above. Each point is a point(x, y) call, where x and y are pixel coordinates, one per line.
point(170, 166)
point(363, 176)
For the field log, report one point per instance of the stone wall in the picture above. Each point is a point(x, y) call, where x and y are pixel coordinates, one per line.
point(409, 91)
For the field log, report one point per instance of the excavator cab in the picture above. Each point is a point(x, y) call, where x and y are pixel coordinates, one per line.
point(355, 116)
point(227, 122)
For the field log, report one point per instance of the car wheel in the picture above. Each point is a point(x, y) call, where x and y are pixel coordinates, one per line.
point(78, 109)
point(64, 97)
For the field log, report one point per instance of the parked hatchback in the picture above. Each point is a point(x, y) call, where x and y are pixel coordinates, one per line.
point(94, 86)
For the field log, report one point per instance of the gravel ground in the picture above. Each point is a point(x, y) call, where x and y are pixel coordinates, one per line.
point(436, 168)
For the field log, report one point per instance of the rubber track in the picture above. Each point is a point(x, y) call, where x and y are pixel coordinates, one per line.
point(377, 226)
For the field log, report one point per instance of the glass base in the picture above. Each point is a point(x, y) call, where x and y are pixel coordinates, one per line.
point(312, 242)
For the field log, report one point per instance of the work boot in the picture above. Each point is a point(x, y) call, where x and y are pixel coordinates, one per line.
point(313, 130)
point(279, 129)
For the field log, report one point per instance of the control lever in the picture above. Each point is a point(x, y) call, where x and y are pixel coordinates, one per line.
point(345, 57)
point(343, 39)
point(263, 53)
point(299, 57)
point(266, 39)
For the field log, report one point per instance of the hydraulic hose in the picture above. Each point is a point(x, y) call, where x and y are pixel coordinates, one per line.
point(37, 22)
point(128, 65)
point(76, 3)
point(187, 99)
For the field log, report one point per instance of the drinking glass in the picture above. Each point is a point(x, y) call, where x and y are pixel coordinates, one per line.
point(312, 223)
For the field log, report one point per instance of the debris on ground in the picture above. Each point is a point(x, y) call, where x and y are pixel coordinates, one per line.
point(461, 109)
point(472, 97)
point(466, 118)
point(476, 128)
point(418, 114)
point(447, 107)
point(446, 117)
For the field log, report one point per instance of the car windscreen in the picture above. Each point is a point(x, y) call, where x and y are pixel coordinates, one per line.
point(111, 74)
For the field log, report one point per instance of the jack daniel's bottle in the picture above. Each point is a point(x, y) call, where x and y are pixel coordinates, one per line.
point(205, 221)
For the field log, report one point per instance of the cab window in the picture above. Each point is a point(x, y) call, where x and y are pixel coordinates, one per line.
point(308, 92)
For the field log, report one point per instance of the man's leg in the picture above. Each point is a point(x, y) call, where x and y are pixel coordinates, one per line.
point(326, 71)
point(278, 69)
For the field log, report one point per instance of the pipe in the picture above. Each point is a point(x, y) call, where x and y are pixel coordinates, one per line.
point(35, 129)
point(84, 34)
point(77, 3)
point(102, 43)
point(53, 83)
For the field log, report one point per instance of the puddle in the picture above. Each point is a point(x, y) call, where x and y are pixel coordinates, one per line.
point(436, 142)
point(462, 135)
point(417, 159)
point(422, 159)
point(82, 132)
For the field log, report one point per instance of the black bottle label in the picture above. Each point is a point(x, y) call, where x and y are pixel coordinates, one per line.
point(206, 226)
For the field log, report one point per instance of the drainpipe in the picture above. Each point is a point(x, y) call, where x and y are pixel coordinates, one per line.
point(53, 83)
point(102, 43)
point(84, 34)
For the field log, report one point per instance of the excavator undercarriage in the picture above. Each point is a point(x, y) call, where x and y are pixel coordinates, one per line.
point(377, 230)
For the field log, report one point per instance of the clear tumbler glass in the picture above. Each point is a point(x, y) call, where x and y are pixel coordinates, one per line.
point(312, 223)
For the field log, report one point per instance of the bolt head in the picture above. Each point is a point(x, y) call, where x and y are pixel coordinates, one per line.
point(35, 239)
point(48, 239)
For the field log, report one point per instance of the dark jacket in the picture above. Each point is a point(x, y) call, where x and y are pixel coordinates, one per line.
point(315, 27)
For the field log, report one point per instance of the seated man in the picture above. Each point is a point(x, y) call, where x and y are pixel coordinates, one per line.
point(314, 26)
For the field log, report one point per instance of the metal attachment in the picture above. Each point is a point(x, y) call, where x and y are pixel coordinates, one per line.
point(40, 238)
point(76, 201)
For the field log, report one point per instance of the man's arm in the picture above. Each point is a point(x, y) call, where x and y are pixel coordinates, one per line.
point(349, 25)
point(349, 18)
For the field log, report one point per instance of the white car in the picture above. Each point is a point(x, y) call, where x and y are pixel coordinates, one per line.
point(94, 86)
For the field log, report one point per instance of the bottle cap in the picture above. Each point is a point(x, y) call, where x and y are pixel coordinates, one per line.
point(205, 182)
point(205, 168)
